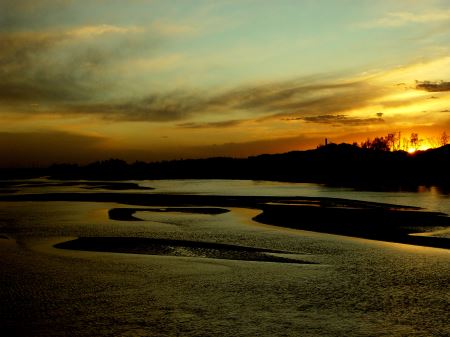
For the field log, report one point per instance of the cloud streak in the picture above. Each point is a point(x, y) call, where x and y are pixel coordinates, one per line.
point(288, 99)
point(221, 124)
point(338, 120)
point(433, 86)
point(154, 107)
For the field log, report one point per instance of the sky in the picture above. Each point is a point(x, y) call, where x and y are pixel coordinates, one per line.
point(155, 80)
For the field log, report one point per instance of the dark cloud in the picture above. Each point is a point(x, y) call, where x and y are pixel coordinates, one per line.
point(56, 68)
point(221, 124)
point(299, 97)
point(339, 120)
point(286, 99)
point(156, 107)
point(433, 86)
point(63, 75)
point(72, 71)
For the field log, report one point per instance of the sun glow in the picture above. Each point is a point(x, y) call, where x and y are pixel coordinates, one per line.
point(422, 147)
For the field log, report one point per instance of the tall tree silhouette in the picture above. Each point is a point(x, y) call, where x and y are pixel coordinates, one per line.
point(414, 141)
point(444, 139)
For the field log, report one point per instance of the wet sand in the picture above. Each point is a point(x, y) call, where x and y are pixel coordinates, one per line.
point(377, 221)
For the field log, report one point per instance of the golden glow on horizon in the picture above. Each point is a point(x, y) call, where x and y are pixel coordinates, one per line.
point(425, 145)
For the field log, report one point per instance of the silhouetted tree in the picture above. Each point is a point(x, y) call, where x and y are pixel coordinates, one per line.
point(380, 144)
point(443, 139)
point(366, 144)
point(414, 141)
point(391, 141)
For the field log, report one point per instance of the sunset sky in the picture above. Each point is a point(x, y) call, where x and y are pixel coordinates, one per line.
point(151, 80)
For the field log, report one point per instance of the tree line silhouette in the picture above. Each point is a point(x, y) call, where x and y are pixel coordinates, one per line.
point(374, 163)
point(338, 164)
point(395, 142)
